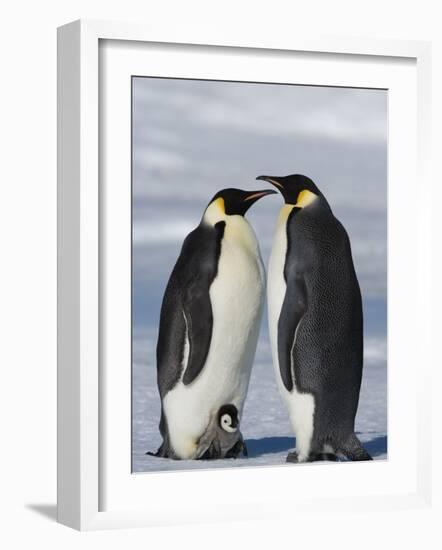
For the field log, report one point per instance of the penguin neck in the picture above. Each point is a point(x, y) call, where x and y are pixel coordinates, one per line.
point(284, 213)
point(305, 198)
point(237, 231)
point(215, 212)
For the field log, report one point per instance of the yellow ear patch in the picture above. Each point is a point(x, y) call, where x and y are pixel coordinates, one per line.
point(215, 212)
point(219, 203)
point(305, 198)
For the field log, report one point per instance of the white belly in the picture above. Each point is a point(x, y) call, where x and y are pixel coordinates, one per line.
point(300, 405)
point(236, 296)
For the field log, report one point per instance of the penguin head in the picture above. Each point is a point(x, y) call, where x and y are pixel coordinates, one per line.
point(235, 202)
point(296, 189)
point(228, 418)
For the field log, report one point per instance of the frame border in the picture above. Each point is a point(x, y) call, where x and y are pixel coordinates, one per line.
point(78, 252)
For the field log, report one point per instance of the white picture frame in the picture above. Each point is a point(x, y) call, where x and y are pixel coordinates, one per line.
point(82, 447)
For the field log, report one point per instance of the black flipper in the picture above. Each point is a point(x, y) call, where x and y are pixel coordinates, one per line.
point(198, 308)
point(293, 307)
point(199, 322)
point(186, 311)
point(292, 311)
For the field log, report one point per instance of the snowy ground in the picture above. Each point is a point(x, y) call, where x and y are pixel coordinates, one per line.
point(265, 424)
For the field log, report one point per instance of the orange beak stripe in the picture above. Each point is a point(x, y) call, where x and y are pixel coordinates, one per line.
point(275, 183)
point(256, 195)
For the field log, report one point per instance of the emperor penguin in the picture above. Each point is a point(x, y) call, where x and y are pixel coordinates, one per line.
point(209, 324)
point(315, 323)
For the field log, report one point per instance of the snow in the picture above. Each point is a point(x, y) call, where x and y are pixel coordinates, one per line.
point(265, 425)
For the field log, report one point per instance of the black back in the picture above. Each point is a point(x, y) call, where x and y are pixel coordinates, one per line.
point(320, 324)
point(186, 308)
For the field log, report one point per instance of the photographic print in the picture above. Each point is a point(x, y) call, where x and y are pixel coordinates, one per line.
point(259, 274)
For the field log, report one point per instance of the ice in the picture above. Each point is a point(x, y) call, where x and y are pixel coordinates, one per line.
point(265, 425)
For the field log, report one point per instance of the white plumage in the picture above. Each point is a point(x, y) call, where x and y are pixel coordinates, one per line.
point(301, 406)
point(236, 295)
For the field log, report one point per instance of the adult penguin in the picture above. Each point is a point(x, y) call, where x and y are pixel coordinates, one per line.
point(208, 332)
point(315, 323)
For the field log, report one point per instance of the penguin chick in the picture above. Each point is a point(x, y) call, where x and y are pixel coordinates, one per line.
point(222, 438)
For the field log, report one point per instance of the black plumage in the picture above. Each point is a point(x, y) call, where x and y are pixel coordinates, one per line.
point(323, 307)
point(186, 309)
point(186, 312)
point(320, 326)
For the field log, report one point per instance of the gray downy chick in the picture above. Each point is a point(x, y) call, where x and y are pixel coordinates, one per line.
point(222, 438)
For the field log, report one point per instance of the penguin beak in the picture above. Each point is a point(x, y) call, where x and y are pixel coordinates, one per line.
point(274, 180)
point(253, 196)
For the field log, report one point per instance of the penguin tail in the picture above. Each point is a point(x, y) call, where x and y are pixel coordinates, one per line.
point(352, 449)
point(151, 453)
point(162, 452)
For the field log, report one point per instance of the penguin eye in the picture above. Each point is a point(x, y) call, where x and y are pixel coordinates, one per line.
point(226, 420)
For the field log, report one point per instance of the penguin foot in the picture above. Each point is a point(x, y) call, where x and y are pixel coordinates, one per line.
point(237, 450)
point(316, 457)
point(353, 450)
point(292, 457)
point(211, 453)
point(220, 442)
